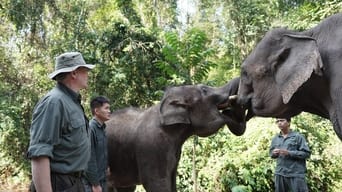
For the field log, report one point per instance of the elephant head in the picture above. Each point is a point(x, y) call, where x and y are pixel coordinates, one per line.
point(289, 72)
point(203, 108)
point(278, 66)
point(144, 145)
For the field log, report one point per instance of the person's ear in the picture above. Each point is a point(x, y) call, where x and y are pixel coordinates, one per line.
point(73, 74)
point(96, 110)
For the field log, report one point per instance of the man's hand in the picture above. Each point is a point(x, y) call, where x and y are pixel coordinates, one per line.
point(283, 152)
point(96, 188)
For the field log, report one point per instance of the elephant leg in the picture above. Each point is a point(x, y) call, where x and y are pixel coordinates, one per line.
point(336, 117)
point(336, 121)
point(173, 181)
point(158, 185)
point(125, 189)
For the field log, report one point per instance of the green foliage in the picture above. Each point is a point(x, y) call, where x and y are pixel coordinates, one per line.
point(26, 14)
point(248, 20)
point(232, 162)
point(228, 163)
point(186, 59)
point(326, 155)
point(310, 13)
point(139, 48)
point(127, 8)
point(235, 26)
point(127, 68)
point(158, 15)
point(14, 117)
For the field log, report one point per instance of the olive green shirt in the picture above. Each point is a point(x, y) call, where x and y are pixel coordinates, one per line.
point(294, 164)
point(59, 130)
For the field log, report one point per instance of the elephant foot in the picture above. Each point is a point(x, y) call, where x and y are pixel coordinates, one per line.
point(124, 189)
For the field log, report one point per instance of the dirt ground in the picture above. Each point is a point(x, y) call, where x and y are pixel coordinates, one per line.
point(13, 187)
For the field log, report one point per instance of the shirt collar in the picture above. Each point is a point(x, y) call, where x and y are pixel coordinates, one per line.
point(290, 134)
point(98, 124)
point(75, 96)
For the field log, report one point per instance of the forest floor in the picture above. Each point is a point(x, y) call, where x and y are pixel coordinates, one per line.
point(7, 185)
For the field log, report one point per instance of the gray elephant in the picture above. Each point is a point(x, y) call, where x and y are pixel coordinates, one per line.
point(144, 145)
point(289, 72)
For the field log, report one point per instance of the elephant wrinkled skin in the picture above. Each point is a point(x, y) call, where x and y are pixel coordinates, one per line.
point(289, 72)
point(144, 145)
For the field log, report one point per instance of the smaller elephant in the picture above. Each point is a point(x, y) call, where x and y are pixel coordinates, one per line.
point(144, 145)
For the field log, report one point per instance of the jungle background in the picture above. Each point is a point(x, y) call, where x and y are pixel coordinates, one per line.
point(140, 47)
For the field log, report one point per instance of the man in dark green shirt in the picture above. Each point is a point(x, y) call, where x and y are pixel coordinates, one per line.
point(59, 135)
point(96, 173)
point(291, 151)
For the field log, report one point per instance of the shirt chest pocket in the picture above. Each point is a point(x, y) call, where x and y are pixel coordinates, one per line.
point(75, 131)
point(292, 144)
point(77, 121)
point(100, 140)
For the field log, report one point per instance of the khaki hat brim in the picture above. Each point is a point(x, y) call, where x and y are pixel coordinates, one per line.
point(68, 69)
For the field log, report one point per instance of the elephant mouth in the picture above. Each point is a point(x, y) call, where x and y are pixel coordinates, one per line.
point(230, 107)
point(227, 103)
point(223, 105)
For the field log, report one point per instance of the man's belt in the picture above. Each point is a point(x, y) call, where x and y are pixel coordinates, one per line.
point(77, 174)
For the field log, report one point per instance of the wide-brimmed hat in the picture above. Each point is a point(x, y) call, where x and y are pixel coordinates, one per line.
point(68, 62)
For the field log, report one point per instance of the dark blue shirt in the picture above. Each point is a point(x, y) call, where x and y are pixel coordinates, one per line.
point(98, 162)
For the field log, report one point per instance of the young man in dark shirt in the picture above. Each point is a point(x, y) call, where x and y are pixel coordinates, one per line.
point(291, 151)
point(95, 180)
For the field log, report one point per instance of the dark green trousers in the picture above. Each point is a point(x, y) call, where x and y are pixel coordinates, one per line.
point(64, 183)
point(290, 184)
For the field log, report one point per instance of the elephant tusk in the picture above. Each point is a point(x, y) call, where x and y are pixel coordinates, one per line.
point(233, 97)
point(228, 103)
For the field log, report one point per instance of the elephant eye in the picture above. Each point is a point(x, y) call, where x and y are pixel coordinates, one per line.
point(245, 78)
point(261, 71)
point(244, 72)
point(284, 55)
point(204, 90)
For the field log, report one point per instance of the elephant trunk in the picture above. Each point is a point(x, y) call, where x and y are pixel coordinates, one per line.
point(235, 113)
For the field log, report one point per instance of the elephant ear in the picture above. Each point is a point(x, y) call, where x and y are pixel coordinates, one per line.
point(297, 60)
point(174, 111)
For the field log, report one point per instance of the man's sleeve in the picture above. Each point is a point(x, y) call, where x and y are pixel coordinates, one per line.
point(303, 151)
point(45, 128)
point(272, 147)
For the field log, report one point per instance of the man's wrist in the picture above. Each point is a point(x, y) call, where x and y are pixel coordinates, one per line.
point(95, 184)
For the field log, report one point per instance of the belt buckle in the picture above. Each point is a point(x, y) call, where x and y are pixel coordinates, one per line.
point(78, 174)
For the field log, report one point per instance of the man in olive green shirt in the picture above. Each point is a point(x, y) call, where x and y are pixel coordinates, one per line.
point(59, 135)
point(291, 151)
